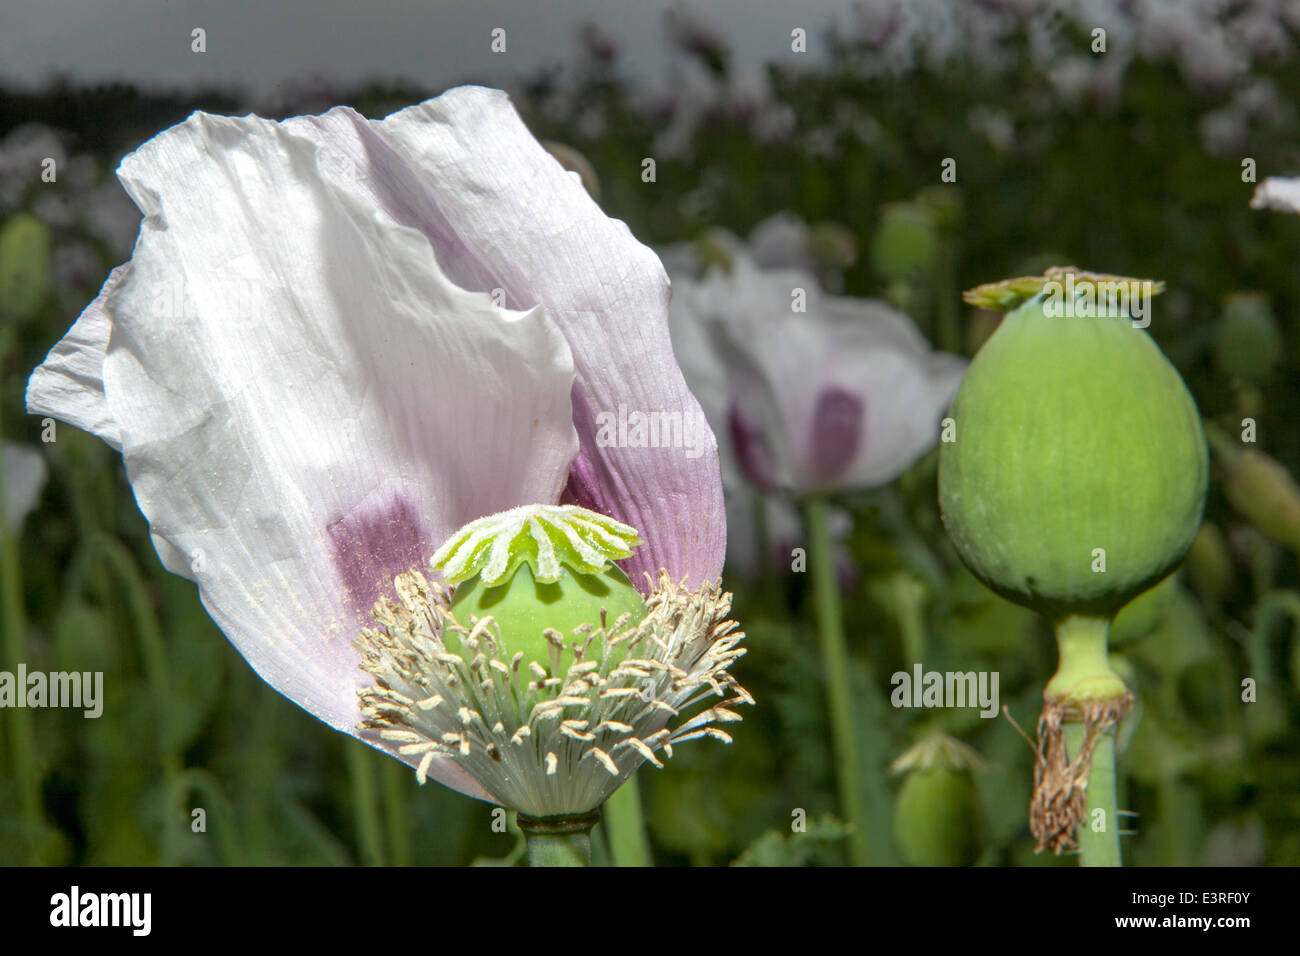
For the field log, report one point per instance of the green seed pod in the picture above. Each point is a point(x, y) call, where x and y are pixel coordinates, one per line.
point(524, 608)
point(1250, 343)
point(24, 265)
point(1079, 471)
point(538, 568)
point(905, 244)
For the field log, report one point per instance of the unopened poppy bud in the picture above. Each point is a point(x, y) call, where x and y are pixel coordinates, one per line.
point(1249, 343)
point(936, 813)
point(1265, 493)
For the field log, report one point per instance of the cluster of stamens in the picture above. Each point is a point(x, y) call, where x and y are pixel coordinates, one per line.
point(550, 740)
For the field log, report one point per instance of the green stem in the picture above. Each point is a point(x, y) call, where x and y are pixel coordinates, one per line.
point(22, 736)
point(826, 596)
point(1084, 672)
point(1099, 833)
point(1268, 609)
point(909, 602)
point(558, 841)
point(946, 296)
point(393, 776)
point(153, 654)
point(624, 826)
point(365, 804)
point(1085, 676)
point(223, 821)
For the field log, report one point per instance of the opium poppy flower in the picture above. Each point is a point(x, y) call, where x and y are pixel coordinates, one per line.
point(340, 340)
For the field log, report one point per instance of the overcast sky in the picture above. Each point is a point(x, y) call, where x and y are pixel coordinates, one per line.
point(259, 44)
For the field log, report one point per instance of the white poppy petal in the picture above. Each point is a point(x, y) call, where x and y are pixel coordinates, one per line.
point(505, 215)
point(69, 384)
point(847, 391)
point(307, 404)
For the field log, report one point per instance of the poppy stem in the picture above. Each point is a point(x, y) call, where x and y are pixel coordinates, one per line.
point(365, 803)
point(625, 827)
point(1099, 832)
point(22, 742)
point(1084, 675)
point(826, 597)
point(394, 777)
point(559, 841)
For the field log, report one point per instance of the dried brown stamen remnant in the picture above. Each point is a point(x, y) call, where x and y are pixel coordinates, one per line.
point(1059, 803)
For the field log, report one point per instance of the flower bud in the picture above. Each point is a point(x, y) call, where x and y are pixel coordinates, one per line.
point(1263, 492)
point(1249, 343)
point(905, 244)
point(936, 813)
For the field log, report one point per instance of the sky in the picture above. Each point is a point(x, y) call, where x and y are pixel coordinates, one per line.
point(260, 44)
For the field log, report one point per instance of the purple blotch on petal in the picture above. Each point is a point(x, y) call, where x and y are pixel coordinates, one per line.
point(372, 545)
point(752, 450)
point(836, 430)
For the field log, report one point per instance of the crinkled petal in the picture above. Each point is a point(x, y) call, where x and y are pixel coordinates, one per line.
point(503, 214)
point(307, 404)
point(69, 384)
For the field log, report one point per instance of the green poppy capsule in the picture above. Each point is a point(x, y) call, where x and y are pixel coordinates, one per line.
point(540, 573)
point(1078, 473)
point(523, 607)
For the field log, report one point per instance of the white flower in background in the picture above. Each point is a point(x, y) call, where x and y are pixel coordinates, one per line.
point(21, 154)
point(1214, 44)
point(845, 394)
point(1277, 193)
point(25, 473)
